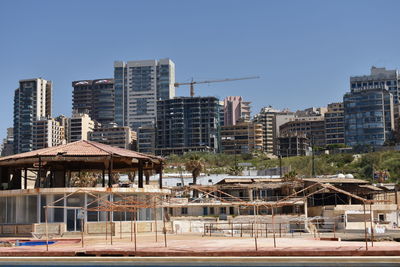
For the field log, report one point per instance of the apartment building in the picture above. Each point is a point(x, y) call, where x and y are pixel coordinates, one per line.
point(368, 115)
point(236, 110)
point(188, 124)
point(138, 86)
point(96, 98)
point(114, 135)
point(334, 124)
point(32, 101)
point(271, 119)
point(80, 125)
point(242, 138)
point(47, 132)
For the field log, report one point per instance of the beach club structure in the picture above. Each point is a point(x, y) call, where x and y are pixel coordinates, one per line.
point(76, 188)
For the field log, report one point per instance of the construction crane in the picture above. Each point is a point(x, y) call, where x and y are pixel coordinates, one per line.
point(192, 83)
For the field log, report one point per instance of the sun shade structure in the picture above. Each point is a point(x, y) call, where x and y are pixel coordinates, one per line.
point(77, 156)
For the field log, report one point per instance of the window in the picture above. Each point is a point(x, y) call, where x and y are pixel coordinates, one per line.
point(184, 211)
point(231, 210)
point(222, 210)
point(211, 210)
point(205, 211)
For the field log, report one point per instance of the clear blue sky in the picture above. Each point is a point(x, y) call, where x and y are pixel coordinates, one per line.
point(304, 51)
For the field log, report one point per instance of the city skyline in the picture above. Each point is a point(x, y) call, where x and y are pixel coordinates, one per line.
point(287, 49)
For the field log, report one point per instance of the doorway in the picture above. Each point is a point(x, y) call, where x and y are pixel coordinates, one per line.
point(73, 222)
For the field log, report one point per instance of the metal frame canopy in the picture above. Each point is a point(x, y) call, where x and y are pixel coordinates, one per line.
point(79, 156)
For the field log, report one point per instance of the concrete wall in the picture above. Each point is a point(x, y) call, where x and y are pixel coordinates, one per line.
point(16, 230)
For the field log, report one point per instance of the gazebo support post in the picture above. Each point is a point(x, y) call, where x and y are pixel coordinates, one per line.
point(25, 178)
point(132, 226)
point(140, 174)
point(155, 218)
point(39, 172)
point(103, 178)
point(160, 177)
point(164, 230)
point(47, 229)
point(365, 228)
point(135, 227)
point(372, 226)
point(110, 170)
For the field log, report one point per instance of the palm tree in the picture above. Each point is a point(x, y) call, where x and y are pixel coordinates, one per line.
point(235, 170)
point(194, 165)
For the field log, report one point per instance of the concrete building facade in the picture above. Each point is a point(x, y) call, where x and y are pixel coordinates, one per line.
point(236, 110)
point(188, 124)
point(334, 124)
point(291, 146)
point(271, 119)
point(312, 128)
point(32, 101)
point(114, 135)
point(80, 125)
point(242, 138)
point(47, 132)
point(96, 98)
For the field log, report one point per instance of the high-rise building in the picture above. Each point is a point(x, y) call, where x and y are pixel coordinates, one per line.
point(47, 132)
point(271, 119)
point(242, 138)
point(187, 124)
point(138, 86)
point(114, 135)
point(235, 110)
point(80, 125)
point(96, 98)
point(334, 124)
point(8, 143)
point(146, 140)
point(380, 77)
point(368, 115)
point(312, 127)
point(32, 101)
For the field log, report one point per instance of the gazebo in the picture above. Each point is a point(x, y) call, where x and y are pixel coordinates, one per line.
point(54, 165)
point(33, 180)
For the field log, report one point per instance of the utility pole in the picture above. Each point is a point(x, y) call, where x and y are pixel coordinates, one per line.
point(236, 164)
point(280, 165)
point(313, 157)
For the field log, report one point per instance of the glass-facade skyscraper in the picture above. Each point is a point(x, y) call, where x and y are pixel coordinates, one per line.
point(188, 124)
point(138, 85)
point(95, 97)
point(368, 115)
point(32, 102)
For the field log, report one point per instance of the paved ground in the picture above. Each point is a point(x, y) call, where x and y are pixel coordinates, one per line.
point(196, 245)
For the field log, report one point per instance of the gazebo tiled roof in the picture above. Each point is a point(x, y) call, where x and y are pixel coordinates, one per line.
point(81, 148)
